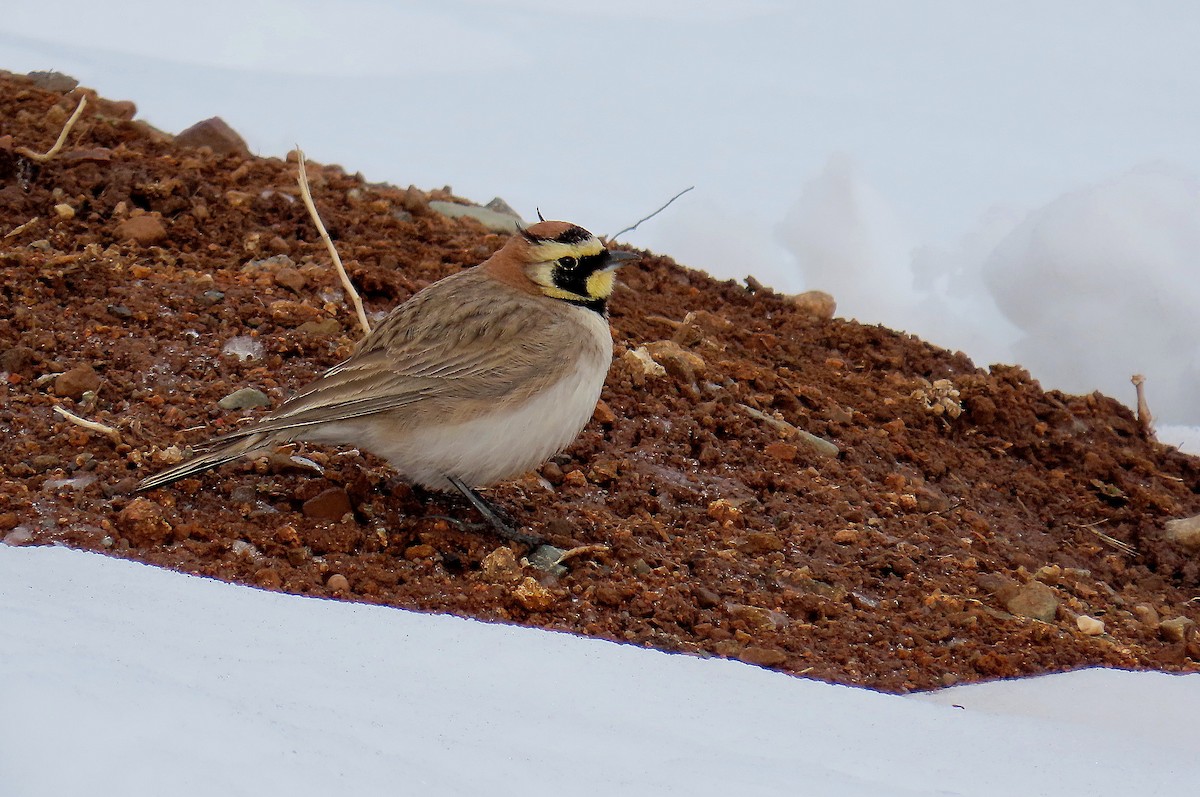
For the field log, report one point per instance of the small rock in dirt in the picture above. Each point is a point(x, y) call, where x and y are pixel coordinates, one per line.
point(533, 596)
point(761, 542)
point(64, 211)
point(1184, 531)
point(338, 583)
point(212, 297)
point(817, 304)
point(604, 414)
point(818, 445)
point(292, 314)
point(545, 558)
point(1175, 629)
point(244, 399)
point(725, 512)
point(1146, 615)
point(268, 578)
point(291, 279)
point(1034, 600)
point(17, 359)
point(324, 327)
point(145, 230)
point(763, 657)
point(680, 363)
point(419, 551)
point(53, 81)
point(331, 504)
point(500, 566)
point(641, 360)
point(76, 382)
point(143, 523)
point(1089, 625)
point(757, 618)
point(215, 134)
point(497, 222)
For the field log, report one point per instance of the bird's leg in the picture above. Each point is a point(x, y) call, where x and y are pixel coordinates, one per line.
point(492, 515)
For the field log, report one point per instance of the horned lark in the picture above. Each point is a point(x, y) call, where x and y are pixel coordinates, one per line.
point(478, 378)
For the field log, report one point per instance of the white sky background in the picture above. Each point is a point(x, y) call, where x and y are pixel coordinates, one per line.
point(883, 151)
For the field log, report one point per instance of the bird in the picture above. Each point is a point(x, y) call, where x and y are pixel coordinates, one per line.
point(476, 379)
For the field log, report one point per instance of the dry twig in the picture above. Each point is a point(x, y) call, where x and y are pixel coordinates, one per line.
point(1145, 419)
point(581, 550)
point(92, 426)
point(62, 137)
point(306, 195)
point(1120, 545)
point(22, 228)
point(638, 223)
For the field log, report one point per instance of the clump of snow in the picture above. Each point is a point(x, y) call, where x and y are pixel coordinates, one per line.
point(244, 347)
point(1103, 284)
point(849, 241)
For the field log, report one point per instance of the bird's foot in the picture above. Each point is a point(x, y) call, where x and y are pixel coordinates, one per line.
point(499, 520)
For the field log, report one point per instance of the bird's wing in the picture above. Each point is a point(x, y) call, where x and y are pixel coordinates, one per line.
point(478, 347)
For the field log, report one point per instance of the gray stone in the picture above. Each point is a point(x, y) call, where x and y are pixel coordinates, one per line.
point(500, 206)
point(545, 558)
point(1185, 532)
point(244, 399)
point(53, 81)
point(497, 222)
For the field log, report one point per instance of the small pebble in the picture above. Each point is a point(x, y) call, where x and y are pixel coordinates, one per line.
point(76, 382)
point(331, 504)
point(143, 523)
point(817, 304)
point(419, 551)
point(1089, 625)
point(64, 211)
point(545, 558)
point(338, 583)
point(533, 596)
point(244, 399)
point(1034, 600)
point(145, 230)
point(500, 565)
point(215, 134)
point(763, 657)
point(1175, 629)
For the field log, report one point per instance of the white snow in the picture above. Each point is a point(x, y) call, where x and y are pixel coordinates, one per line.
point(119, 678)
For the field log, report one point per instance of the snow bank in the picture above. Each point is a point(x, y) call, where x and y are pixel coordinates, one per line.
point(118, 678)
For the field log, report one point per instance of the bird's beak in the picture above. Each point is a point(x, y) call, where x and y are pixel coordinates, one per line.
point(617, 258)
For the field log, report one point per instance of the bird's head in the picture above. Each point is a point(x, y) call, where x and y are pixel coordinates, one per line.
point(562, 261)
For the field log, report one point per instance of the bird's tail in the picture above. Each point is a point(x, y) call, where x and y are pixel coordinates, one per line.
point(198, 464)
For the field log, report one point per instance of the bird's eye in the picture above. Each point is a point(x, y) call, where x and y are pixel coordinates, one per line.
point(567, 262)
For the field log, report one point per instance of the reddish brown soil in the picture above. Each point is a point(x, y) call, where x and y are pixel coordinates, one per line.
point(896, 564)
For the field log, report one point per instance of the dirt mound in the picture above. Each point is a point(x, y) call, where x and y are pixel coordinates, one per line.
point(817, 496)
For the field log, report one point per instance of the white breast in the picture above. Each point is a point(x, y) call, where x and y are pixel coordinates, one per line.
point(506, 443)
